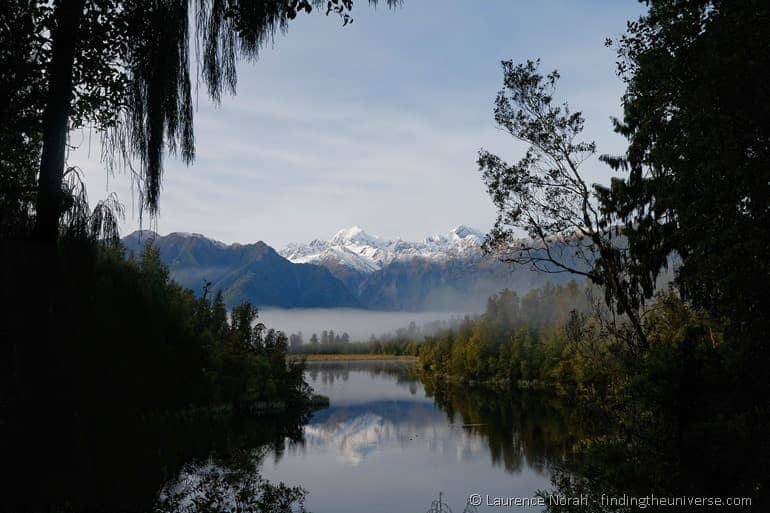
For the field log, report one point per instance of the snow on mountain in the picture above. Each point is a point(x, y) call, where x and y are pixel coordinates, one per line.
point(355, 433)
point(355, 249)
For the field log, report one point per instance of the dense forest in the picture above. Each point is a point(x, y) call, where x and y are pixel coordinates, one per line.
point(150, 355)
point(517, 342)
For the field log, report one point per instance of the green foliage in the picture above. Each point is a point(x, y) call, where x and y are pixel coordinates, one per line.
point(669, 420)
point(21, 96)
point(680, 405)
point(130, 355)
point(232, 488)
point(545, 196)
point(696, 119)
point(665, 420)
point(149, 344)
point(517, 341)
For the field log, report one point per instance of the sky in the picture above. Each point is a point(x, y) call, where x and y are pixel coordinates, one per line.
point(376, 124)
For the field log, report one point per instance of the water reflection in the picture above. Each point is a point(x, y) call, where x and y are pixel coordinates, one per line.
point(119, 463)
point(373, 377)
point(386, 444)
point(521, 431)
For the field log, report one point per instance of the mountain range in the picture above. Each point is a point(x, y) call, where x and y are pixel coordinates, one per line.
point(253, 272)
point(445, 272)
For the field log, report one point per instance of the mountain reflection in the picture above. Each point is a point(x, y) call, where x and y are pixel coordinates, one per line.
point(369, 415)
point(390, 442)
point(358, 430)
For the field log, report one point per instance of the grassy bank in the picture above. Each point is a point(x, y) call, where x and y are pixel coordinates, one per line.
point(351, 357)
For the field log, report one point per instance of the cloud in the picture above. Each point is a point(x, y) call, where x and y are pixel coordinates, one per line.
point(377, 124)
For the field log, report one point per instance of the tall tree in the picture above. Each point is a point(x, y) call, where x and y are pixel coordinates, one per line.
point(124, 68)
point(696, 117)
point(548, 215)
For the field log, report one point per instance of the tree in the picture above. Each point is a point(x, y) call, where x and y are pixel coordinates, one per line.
point(695, 114)
point(243, 316)
point(544, 196)
point(123, 68)
point(296, 342)
point(21, 86)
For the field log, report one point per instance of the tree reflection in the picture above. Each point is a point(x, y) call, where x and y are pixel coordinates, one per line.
point(119, 463)
point(521, 430)
point(327, 372)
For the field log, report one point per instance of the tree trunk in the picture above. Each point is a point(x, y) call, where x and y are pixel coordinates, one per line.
point(44, 398)
point(56, 119)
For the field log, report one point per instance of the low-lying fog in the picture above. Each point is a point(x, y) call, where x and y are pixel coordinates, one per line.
point(359, 324)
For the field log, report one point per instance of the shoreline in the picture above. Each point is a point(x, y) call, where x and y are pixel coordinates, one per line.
point(351, 357)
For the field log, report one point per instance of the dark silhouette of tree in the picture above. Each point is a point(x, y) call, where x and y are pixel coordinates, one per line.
point(548, 216)
point(123, 68)
point(21, 86)
point(695, 114)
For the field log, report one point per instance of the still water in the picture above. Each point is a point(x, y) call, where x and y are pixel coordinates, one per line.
point(388, 445)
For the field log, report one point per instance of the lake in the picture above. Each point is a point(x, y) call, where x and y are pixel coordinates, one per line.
point(390, 444)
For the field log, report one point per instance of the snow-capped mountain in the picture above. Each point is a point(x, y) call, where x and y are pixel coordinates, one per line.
point(355, 431)
point(442, 273)
point(357, 250)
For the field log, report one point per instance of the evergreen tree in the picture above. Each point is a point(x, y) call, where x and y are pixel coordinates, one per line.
point(695, 114)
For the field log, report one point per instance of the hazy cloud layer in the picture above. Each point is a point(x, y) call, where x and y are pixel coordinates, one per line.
point(358, 324)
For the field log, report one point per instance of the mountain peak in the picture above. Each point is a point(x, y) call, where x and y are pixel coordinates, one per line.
point(354, 235)
point(462, 231)
point(356, 250)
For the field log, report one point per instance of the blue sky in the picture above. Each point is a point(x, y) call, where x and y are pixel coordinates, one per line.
point(378, 123)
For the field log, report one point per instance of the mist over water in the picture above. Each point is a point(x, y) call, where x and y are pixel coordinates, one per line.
point(359, 324)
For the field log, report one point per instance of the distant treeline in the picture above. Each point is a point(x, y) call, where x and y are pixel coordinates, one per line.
point(513, 332)
point(402, 341)
point(334, 343)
